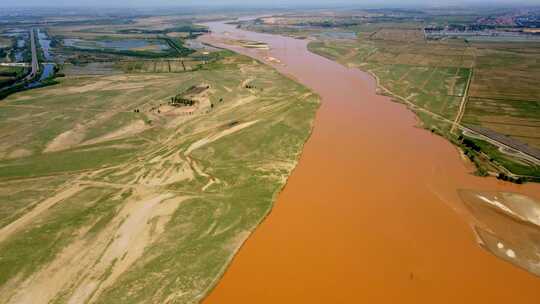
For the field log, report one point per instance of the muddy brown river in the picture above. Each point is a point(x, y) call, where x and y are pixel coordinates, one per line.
point(371, 214)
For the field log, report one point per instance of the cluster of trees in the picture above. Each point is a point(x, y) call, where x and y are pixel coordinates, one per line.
point(471, 148)
point(178, 100)
point(55, 42)
point(178, 46)
point(11, 75)
point(470, 144)
point(181, 100)
point(504, 177)
point(191, 29)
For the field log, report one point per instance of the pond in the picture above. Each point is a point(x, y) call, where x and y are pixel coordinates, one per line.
point(45, 44)
point(21, 37)
point(21, 43)
point(18, 56)
point(119, 45)
point(48, 71)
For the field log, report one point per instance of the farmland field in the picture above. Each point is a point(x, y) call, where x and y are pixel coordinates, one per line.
point(503, 95)
point(160, 66)
point(429, 75)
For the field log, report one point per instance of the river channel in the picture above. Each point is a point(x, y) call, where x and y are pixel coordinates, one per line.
point(371, 214)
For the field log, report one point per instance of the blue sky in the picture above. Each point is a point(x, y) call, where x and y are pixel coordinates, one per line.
point(161, 3)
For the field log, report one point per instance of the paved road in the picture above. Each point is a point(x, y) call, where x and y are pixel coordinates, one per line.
point(35, 62)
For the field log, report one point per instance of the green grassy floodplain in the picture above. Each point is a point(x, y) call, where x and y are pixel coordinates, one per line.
point(106, 204)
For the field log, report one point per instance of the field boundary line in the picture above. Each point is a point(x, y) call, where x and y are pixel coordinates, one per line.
point(463, 103)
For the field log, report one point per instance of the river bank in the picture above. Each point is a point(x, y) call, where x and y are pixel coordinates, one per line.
point(372, 211)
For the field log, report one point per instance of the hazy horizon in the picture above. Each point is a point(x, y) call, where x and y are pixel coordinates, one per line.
point(264, 3)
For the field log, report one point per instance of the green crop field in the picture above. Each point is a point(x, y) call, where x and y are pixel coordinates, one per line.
point(432, 80)
point(132, 198)
point(504, 93)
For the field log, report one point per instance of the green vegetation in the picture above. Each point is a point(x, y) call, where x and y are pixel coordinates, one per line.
point(108, 182)
point(192, 30)
point(183, 99)
point(159, 66)
point(178, 45)
point(10, 75)
point(152, 48)
point(113, 42)
point(489, 158)
point(451, 82)
point(430, 75)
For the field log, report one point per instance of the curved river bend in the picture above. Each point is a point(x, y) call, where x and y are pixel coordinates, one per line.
point(371, 214)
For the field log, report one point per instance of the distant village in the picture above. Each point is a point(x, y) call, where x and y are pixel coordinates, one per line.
point(520, 25)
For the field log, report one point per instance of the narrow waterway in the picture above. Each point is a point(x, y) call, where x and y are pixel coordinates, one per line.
point(371, 214)
point(45, 43)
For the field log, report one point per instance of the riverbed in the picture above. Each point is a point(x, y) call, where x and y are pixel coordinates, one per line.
point(371, 214)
